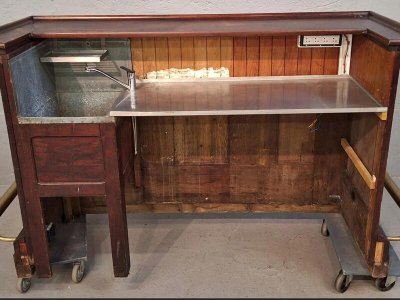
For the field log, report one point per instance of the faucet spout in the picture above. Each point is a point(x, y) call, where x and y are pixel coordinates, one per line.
point(130, 86)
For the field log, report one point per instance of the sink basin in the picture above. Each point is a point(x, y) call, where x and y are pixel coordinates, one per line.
point(74, 107)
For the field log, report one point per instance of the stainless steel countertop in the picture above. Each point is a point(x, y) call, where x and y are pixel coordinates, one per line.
point(246, 96)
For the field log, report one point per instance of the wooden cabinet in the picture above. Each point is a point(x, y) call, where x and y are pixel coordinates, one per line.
point(288, 128)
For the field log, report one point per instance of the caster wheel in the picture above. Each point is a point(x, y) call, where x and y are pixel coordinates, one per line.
point(324, 229)
point(23, 284)
point(342, 282)
point(385, 284)
point(78, 271)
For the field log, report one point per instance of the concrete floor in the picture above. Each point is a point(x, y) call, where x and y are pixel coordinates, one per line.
point(183, 257)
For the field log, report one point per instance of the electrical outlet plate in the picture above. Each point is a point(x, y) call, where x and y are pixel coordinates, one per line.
point(319, 41)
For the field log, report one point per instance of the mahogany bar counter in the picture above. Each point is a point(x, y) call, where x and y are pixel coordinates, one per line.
point(253, 113)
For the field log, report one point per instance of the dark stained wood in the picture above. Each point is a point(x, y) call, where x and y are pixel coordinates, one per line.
point(371, 137)
point(31, 202)
point(330, 160)
point(8, 100)
point(215, 208)
point(253, 140)
point(376, 77)
point(22, 257)
point(68, 159)
point(57, 130)
point(200, 139)
point(209, 164)
point(157, 144)
point(72, 189)
point(377, 27)
point(296, 140)
point(115, 199)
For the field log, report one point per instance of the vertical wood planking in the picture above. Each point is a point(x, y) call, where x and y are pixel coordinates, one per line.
point(265, 67)
point(200, 52)
point(331, 61)
point(304, 61)
point(296, 141)
point(213, 52)
point(211, 140)
point(253, 56)
point(149, 55)
point(291, 55)
point(253, 139)
point(161, 53)
point(174, 53)
point(137, 56)
point(227, 53)
point(157, 142)
point(239, 56)
point(200, 139)
point(278, 56)
point(317, 61)
point(187, 45)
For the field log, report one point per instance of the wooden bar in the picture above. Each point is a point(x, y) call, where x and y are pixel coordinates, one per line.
point(369, 179)
point(264, 140)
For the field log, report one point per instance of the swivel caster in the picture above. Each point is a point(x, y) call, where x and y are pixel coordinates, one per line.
point(78, 271)
point(324, 229)
point(342, 282)
point(385, 284)
point(23, 284)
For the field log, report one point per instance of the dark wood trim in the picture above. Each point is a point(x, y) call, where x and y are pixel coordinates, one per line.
point(381, 162)
point(72, 190)
point(7, 97)
point(115, 200)
point(379, 28)
point(265, 16)
point(217, 208)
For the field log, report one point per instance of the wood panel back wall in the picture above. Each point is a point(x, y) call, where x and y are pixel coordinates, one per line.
point(276, 161)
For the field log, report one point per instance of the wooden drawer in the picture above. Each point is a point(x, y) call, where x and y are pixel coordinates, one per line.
point(68, 159)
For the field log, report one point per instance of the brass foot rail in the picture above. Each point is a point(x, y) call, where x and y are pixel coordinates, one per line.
point(394, 192)
point(5, 202)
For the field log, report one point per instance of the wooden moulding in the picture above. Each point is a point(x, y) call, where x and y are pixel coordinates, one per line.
point(216, 208)
point(369, 179)
point(382, 115)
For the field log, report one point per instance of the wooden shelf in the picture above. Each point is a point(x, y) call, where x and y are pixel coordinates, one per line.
point(246, 96)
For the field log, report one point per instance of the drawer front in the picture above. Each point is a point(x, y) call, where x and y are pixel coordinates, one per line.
point(68, 159)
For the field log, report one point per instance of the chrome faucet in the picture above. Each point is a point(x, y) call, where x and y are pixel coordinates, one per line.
point(131, 77)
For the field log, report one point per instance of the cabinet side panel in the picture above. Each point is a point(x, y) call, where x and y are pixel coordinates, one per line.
point(370, 137)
